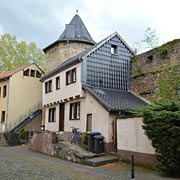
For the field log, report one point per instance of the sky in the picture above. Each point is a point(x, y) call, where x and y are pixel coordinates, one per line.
point(43, 21)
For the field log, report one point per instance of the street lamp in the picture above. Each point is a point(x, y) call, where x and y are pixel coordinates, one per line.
point(178, 91)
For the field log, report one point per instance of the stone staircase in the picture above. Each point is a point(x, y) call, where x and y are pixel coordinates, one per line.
point(12, 139)
point(61, 137)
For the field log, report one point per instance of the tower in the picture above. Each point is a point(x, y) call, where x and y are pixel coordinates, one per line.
point(74, 39)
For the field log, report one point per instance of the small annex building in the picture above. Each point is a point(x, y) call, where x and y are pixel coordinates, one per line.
point(20, 95)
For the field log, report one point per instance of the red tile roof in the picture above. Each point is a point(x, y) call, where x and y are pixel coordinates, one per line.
point(6, 74)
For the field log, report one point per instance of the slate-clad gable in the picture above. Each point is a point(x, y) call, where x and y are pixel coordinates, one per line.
point(107, 70)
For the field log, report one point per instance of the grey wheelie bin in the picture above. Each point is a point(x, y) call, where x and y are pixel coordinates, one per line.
point(91, 140)
point(98, 144)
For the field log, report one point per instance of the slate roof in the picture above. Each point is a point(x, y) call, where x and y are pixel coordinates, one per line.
point(74, 31)
point(79, 56)
point(115, 100)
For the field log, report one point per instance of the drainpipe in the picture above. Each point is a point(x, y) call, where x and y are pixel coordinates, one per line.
point(7, 108)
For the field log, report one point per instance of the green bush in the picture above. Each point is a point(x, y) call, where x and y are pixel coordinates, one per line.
point(85, 138)
point(22, 133)
point(162, 126)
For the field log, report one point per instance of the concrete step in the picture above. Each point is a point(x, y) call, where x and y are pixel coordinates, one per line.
point(101, 160)
point(61, 137)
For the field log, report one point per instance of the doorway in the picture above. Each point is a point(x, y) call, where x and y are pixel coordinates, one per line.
point(89, 122)
point(61, 117)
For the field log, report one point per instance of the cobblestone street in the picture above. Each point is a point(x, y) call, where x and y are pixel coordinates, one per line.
point(18, 163)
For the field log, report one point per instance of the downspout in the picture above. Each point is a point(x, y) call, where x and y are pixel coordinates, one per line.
point(7, 105)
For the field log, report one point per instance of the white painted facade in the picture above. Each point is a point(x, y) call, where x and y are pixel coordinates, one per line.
point(65, 91)
point(131, 137)
point(101, 118)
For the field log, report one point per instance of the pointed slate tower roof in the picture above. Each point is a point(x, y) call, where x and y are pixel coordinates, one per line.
point(75, 31)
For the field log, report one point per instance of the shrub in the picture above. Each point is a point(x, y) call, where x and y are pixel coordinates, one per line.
point(162, 126)
point(85, 138)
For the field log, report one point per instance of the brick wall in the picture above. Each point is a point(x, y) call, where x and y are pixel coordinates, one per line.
point(147, 67)
point(60, 52)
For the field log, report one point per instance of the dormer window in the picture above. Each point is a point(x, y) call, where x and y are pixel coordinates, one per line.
point(114, 49)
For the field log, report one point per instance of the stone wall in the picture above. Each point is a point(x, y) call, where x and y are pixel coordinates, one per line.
point(42, 142)
point(146, 68)
point(60, 52)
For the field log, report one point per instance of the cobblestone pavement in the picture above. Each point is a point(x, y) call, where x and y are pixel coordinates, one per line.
point(18, 163)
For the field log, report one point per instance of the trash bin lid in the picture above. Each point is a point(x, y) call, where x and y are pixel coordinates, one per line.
point(94, 133)
point(99, 137)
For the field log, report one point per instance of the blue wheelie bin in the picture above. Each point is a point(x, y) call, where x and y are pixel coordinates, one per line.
point(91, 140)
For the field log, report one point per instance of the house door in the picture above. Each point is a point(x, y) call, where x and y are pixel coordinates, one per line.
point(61, 117)
point(89, 122)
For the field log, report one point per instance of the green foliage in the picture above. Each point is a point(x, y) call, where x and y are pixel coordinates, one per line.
point(85, 138)
point(150, 38)
point(163, 52)
point(14, 53)
point(168, 83)
point(162, 126)
point(22, 133)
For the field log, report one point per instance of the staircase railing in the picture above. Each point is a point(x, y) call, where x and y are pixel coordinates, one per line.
point(26, 121)
point(10, 126)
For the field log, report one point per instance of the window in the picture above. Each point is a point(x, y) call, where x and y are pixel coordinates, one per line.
point(48, 86)
point(74, 111)
point(38, 74)
point(114, 49)
point(3, 116)
point(52, 115)
point(26, 72)
point(32, 73)
point(57, 82)
point(149, 59)
point(4, 91)
point(71, 76)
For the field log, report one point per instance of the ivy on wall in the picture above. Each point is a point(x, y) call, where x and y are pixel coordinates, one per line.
point(169, 81)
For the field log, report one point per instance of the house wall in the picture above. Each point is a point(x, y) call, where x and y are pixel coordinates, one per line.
point(131, 139)
point(104, 69)
point(3, 103)
point(25, 96)
point(60, 52)
point(88, 105)
point(65, 91)
point(34, 125)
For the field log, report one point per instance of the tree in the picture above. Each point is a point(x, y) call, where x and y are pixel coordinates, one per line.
point(150, 38)
point(162, 126)
point(14, 53)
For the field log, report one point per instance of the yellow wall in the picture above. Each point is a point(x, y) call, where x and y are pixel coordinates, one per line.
point(3, 101)
point(25, 95)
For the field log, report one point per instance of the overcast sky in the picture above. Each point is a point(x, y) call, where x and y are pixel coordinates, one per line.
point(42, 21)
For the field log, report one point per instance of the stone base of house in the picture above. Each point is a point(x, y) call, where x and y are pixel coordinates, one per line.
point(2, 139)
point(108, 147)
point(144, 159)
